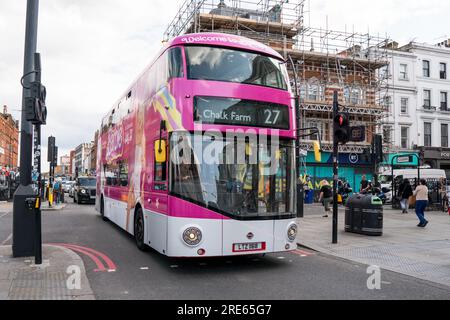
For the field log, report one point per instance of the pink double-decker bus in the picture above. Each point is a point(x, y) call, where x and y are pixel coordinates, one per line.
point(197, 158)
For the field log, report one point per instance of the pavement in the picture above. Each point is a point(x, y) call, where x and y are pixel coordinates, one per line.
point(55, 207)
point(62, 276)
point(404, 248)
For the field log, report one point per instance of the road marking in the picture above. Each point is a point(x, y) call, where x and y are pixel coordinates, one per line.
point(7, 239)
point(5, 214)
point(302, 253)
point(94, 255)
point(144, 268)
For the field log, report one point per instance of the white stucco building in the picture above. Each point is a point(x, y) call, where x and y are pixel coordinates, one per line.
point(418, 93)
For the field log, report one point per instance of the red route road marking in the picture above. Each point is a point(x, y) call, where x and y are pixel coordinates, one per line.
point(93, 254)
point(109, 262)
point(302, 253)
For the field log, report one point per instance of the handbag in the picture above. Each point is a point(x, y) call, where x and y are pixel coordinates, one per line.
point(412, 200)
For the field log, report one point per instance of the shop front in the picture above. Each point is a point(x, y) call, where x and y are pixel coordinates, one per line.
point(437, 158)
point(352, 166)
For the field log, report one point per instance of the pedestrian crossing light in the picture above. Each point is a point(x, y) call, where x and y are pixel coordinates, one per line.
point(341, 128)
point(317, 151)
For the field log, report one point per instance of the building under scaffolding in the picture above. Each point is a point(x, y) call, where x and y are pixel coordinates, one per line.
point(323, 61)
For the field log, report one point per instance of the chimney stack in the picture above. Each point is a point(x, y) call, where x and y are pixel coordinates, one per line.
point(5, 109)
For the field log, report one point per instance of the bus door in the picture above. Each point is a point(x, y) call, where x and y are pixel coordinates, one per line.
point(156, 195)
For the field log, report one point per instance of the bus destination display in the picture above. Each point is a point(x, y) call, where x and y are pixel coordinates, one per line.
point(238, 112)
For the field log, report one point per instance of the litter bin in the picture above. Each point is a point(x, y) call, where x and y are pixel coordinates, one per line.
point(309, 196)
point(364, 215)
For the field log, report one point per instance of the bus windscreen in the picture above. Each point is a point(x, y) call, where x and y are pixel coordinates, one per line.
point(221, 64)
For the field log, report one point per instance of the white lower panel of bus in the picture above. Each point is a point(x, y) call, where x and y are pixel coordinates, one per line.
point(229, 237)
point(116, 212)
point(156, 230)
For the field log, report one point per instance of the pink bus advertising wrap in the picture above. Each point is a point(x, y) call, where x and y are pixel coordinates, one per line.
point(196, 158)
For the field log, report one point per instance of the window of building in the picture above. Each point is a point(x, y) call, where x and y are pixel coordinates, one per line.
point(444, 101)
point(427, 99)
point(444, 135)
point(443, 70)
point(427, 134)
point(426, 68)
point(403, 71)
point(353, 95)
point(405, 137)
point(404, 105)
point(315, 91)
point(387, 135)
point(387, 102)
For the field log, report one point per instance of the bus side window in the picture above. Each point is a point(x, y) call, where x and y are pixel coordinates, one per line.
point(123, 174)
point(112, 175)
point(160, 176)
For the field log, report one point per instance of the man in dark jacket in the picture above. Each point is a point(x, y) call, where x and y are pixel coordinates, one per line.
point(404, 193)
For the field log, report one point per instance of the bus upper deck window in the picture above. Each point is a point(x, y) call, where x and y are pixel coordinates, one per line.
point(175, 63)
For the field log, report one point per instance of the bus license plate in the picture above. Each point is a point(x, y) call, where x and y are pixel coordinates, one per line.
point(244, 247)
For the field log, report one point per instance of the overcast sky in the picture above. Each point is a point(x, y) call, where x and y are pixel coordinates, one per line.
point(92, 50)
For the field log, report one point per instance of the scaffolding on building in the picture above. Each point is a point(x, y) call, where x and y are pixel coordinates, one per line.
point(324, 60)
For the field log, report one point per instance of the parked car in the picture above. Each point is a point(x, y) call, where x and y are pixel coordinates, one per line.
point(85, 190)
point(68, 185)
point(72, 191)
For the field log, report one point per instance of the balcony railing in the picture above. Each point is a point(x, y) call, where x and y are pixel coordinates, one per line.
point(428, 107)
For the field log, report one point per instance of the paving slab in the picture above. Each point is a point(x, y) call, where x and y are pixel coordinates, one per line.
point(21, 280)
point(423, 253)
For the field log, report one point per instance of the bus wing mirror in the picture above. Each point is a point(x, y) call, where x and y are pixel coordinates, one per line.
point(160, 151)
point(317, 151)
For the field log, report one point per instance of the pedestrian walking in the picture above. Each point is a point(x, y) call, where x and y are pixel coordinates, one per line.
point(421, 194)
point(326, 196)
point(404, 193)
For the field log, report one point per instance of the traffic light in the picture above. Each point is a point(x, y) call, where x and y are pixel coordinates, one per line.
point(36, 109)
point(342, 128)
point(378, 148)
point(51, 149)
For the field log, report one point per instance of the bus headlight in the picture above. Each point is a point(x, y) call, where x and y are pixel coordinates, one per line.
point(292, 232)
point(192, 236)
point(83, 191)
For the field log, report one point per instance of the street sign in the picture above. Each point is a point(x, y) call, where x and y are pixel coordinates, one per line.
point(358, 134)
point(405, 159)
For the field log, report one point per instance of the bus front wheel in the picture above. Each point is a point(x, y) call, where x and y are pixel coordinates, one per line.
point(139, 230)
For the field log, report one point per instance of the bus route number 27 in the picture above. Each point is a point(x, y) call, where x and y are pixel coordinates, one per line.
point(272, 116)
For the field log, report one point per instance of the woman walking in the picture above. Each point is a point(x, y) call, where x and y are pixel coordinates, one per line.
point(421, 194)
point(404, 195)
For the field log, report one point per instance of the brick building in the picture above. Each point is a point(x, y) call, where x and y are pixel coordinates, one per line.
point(9, 140)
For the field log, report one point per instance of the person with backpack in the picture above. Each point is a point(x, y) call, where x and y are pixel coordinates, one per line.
point(326, 196)
point(404, 193)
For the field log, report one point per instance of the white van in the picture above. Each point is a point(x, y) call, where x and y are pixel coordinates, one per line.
point(385, 178)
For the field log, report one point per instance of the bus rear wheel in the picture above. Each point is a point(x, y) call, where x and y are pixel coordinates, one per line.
point(139, 230)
